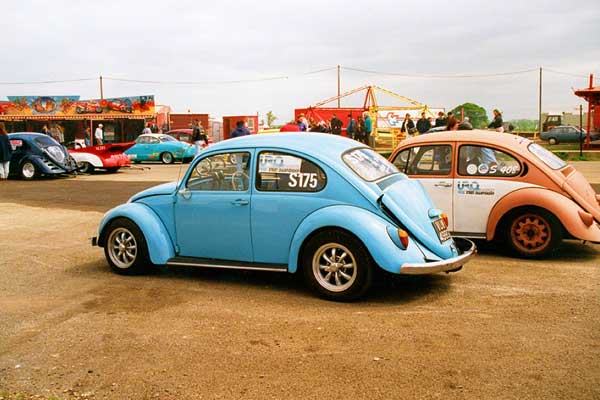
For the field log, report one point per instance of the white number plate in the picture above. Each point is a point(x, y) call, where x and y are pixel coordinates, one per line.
point(441, 229)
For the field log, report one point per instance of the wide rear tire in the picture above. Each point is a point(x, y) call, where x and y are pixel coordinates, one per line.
point(532, 233)
point(337, 266)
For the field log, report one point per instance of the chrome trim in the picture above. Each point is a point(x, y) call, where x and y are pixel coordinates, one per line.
point(184, 264)
point(448, 265)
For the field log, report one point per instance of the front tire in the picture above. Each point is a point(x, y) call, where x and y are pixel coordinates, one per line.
point(337, 266)
point(532, 233)
point(28, 171)
point(125, 248)
point(167, 158)
point(553, 141)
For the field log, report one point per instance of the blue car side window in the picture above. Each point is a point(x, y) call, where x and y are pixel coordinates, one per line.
point(222, 172)
point(281, 172)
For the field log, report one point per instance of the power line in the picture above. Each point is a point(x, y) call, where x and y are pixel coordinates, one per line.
point(565, 73)
point(47, 82)
point(441, 76)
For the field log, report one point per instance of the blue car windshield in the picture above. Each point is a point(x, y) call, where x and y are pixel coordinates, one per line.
point(44, 141)
point(368, 164)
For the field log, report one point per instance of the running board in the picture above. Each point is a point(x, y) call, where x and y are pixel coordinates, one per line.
point(223, 264)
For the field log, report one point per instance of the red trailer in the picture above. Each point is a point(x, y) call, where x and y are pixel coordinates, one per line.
point(229, 124)
point(183, 121)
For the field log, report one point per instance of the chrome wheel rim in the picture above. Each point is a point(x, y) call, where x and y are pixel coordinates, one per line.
point(334, 267)
point(167, 158)
point(28, 170)
point(122, 248)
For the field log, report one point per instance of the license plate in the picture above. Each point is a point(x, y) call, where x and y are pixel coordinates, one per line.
point(441, 230)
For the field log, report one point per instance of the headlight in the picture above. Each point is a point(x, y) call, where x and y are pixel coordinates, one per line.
point(56, 153)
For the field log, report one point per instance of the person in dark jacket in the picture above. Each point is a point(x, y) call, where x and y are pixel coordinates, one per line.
point(336, 125)
point(368, 128)
point(408, 126)
point(5, 152)
point(240, 130)
point(351, 128)
point(441, 120)
point(423, 124)
point(497, 124)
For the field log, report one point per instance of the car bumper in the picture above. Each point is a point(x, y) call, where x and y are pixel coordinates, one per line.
point(466, 248)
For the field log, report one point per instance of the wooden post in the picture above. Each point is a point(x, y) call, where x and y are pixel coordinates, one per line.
point(338, 82)
point(580, 129)
point(539, 132)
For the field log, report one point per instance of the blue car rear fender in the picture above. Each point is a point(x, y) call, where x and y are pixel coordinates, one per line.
point(160, 244)
point(368, 227)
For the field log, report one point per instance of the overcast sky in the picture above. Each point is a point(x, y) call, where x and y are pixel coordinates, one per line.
point(245, 40)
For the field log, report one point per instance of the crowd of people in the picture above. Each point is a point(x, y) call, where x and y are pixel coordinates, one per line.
point(359, 129)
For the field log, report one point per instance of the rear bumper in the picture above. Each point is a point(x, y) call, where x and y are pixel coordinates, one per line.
point(466, 249)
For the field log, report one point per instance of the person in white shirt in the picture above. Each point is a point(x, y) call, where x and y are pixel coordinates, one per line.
point(99, 134)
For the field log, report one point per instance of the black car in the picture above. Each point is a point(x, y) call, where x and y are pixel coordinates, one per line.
point(35, 155)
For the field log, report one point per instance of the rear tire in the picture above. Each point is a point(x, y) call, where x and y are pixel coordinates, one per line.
point(85, 167)
point(125, 248)
point(337, 266)
point(167, 158)
point(532, 233)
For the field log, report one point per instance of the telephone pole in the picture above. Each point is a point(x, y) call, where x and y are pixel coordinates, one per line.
point(101, 89)
point(338, 77)
point(539, 108)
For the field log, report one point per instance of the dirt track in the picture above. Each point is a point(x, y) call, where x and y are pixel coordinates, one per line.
point(502, 328)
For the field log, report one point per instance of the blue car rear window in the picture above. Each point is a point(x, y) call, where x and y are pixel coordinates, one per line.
point(368, 164)
point(44, 141)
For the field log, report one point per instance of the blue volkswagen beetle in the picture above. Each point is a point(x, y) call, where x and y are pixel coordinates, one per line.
point(159, 147)
point(35, 155)
point(322, 205)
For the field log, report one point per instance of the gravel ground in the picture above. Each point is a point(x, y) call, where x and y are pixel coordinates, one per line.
point(69, 328)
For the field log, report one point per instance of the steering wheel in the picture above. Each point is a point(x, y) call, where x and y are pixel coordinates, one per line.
point(239, 181)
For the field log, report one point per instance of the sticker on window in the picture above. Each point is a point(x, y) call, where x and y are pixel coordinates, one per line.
point(279, 164)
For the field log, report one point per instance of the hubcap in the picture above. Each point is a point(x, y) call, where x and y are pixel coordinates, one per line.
point(122, 248)
point(28, 170)
point(334, 267)
point(531, 232)
point(167, 158)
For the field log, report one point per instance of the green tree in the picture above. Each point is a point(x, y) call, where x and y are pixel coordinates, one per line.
point(477, 115)
point(270, 118)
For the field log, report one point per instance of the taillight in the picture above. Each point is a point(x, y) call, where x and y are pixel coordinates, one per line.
point(444, 217)
point(403, 236)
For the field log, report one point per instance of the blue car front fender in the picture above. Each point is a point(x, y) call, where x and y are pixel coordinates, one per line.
point(160, 244)
point(370, 228)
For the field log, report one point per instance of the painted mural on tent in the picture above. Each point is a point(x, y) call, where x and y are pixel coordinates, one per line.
point(72, 105)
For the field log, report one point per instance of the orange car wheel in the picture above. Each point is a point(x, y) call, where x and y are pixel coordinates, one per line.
point(533, 233)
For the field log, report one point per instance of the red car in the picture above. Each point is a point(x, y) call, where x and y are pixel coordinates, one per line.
point(106, 156)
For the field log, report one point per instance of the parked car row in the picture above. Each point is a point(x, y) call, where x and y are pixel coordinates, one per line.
point(567, 134)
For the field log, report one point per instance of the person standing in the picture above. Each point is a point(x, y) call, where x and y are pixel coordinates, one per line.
point(99, 134)
point(368, 128)
point(423, 124)
point(86, 136)
point(336, 125)
point(5, 153)
point(452, 124)
point(240, 130)
point(351, 128)
point(497, 124)
point(360, 129)
point(441, 120)
point(46, 131)
point(146, 129)
point(408, 125)
point(196, 136)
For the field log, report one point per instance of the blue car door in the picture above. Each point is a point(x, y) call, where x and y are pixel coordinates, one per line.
point(287, 189)
point(212, 209)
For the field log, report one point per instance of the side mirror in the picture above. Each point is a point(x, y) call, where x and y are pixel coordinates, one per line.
point(185, 193)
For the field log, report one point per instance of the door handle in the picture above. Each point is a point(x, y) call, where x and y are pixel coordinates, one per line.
point(443, 184)
point(240, 202)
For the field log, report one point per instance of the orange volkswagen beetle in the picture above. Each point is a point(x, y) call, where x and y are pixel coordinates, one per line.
point(497, 186)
